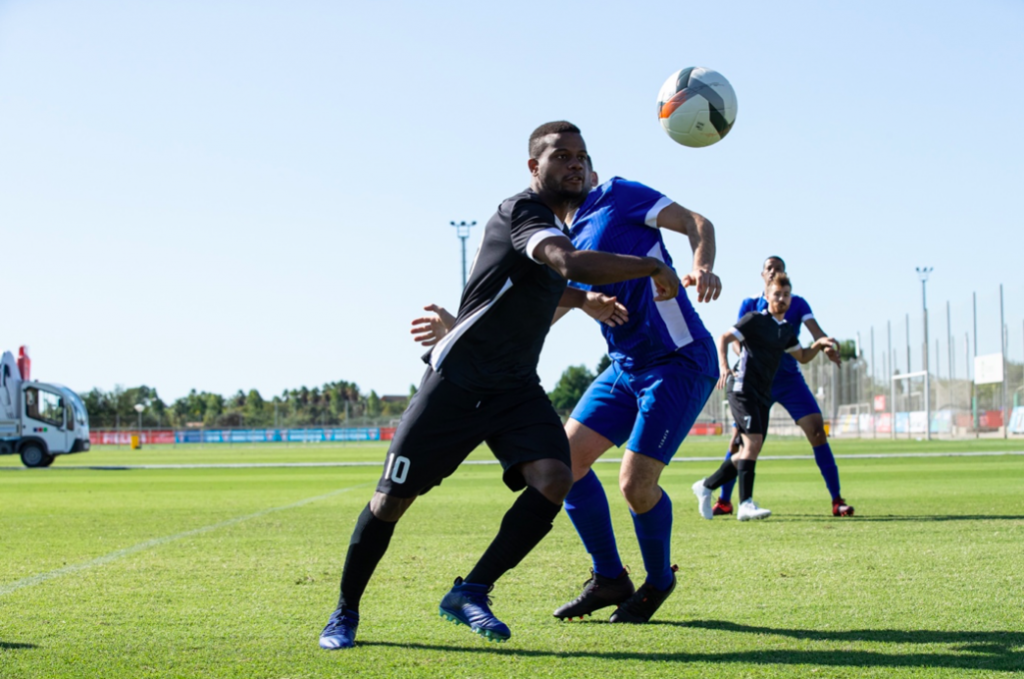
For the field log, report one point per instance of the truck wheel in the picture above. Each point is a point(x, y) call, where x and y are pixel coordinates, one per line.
point(33, 455)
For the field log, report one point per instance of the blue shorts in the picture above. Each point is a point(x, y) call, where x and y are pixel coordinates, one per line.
point(795, 396)
point(651, 409)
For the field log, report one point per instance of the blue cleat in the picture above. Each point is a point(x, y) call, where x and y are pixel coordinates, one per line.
point(340, 631)
point(467, 604)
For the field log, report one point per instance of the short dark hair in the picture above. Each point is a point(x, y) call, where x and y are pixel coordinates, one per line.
point(556, 127)
point(781, 280)
point(781, 261)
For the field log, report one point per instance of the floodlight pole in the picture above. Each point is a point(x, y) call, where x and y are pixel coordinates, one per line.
point(462, 231)
point(922, 273)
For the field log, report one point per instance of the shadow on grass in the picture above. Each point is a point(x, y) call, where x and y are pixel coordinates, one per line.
point(1002, 651)
point(893, 517)
point(14, 646)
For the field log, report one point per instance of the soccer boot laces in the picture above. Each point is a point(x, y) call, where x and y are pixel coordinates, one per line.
point(598, 592)
point(468, 604)
point(640, 607)
point(840, 508)
point(340, 631)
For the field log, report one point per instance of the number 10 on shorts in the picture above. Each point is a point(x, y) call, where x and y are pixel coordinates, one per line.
point(397, 468)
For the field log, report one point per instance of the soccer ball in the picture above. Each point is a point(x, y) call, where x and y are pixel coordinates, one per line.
point(697, 106)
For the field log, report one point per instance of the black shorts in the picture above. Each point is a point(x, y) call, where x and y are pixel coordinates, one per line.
point(445, 423)
point(750, 413)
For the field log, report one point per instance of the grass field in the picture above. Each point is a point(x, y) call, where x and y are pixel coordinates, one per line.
point(231, 572)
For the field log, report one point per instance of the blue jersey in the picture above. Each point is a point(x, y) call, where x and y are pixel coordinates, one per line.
point(799, 311)
point(621, 217)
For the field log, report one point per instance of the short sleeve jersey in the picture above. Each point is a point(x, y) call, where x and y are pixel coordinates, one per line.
point(799, 312)
point(764, 342)
point(507, 305)
point(621, 216)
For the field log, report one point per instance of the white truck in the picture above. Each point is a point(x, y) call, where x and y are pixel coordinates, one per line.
point(38, 421)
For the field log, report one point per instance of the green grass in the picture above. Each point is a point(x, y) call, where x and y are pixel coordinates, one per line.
point(925, 581)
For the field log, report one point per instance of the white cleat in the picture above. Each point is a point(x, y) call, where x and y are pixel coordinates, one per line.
point(749, 510)
point(704, 499)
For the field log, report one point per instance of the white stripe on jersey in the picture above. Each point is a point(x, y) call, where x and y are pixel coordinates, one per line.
point(652, 215)
point(670, 311)
point(442, 348)
point(737, 334)
point(537, 238)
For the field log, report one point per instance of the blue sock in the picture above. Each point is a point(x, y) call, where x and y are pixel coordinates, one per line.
point(829, 470)
point(725, 492)
point(654, 532)
point(587, 507)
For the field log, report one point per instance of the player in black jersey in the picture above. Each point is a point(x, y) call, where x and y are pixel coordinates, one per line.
point(763, 337)
point(482, 385)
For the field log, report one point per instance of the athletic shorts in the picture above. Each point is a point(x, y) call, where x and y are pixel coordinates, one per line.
point(444, 423)
point(792, 392)
point(750, 413)
point(650, 410)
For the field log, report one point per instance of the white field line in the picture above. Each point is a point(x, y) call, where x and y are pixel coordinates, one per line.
point(156, 542)
point(254, 465)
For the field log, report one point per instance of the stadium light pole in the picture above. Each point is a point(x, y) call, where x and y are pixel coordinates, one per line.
point(922, 273)
point(462, 231)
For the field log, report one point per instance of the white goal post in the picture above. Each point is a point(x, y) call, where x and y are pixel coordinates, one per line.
point(927, 403)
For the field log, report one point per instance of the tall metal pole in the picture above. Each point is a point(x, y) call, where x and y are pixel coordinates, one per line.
point(974, 396)
point(949, 340)
point(874, 374)
point(1002, 352)
point(908, 342)
point(462, 231)
point(922, 273)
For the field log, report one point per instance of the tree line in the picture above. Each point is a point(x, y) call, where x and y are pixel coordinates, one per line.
point(333, 404)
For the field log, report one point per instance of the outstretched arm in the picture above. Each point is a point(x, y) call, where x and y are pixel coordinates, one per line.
point(817, 333)
point(600, 268)
point(701, 233)
point(806, 354)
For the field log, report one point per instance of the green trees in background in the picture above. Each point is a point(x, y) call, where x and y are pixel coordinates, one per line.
point(573, 383)
point(332, 404)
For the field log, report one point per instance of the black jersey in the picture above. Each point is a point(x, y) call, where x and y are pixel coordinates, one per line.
point(764, 341)
point(507, 306)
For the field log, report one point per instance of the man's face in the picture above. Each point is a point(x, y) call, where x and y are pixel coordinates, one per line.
point(772, 266)
point(563, 167)
point(779, 299)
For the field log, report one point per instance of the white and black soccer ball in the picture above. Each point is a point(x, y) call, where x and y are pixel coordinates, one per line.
point(697, 106)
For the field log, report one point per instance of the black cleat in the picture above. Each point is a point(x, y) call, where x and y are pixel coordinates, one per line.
point(598, 592)
point(640, 607)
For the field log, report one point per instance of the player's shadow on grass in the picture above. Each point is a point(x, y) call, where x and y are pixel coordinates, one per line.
point(14, 646)
point(999, 651)
point(915, 518)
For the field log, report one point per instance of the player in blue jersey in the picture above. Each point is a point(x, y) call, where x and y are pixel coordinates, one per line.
point(790, 389)
point(664, 368)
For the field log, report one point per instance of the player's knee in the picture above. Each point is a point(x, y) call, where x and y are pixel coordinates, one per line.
point(636, 490)
point(552, 478)
point(817, 436)
point(388, 507)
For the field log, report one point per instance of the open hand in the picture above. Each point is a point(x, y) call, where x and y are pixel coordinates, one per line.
point(428, 330)
point(709, 286)
point(605, 309)
point(724, 372)
point(830, 347)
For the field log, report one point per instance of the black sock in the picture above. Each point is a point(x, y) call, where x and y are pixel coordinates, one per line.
point(745, 472)
point(370, 540)
point(725, 474)
point(525, 524)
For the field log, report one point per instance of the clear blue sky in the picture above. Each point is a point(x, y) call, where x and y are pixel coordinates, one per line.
point(227, 195)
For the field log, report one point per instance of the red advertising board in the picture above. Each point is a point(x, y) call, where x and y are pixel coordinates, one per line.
point(880, 403)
